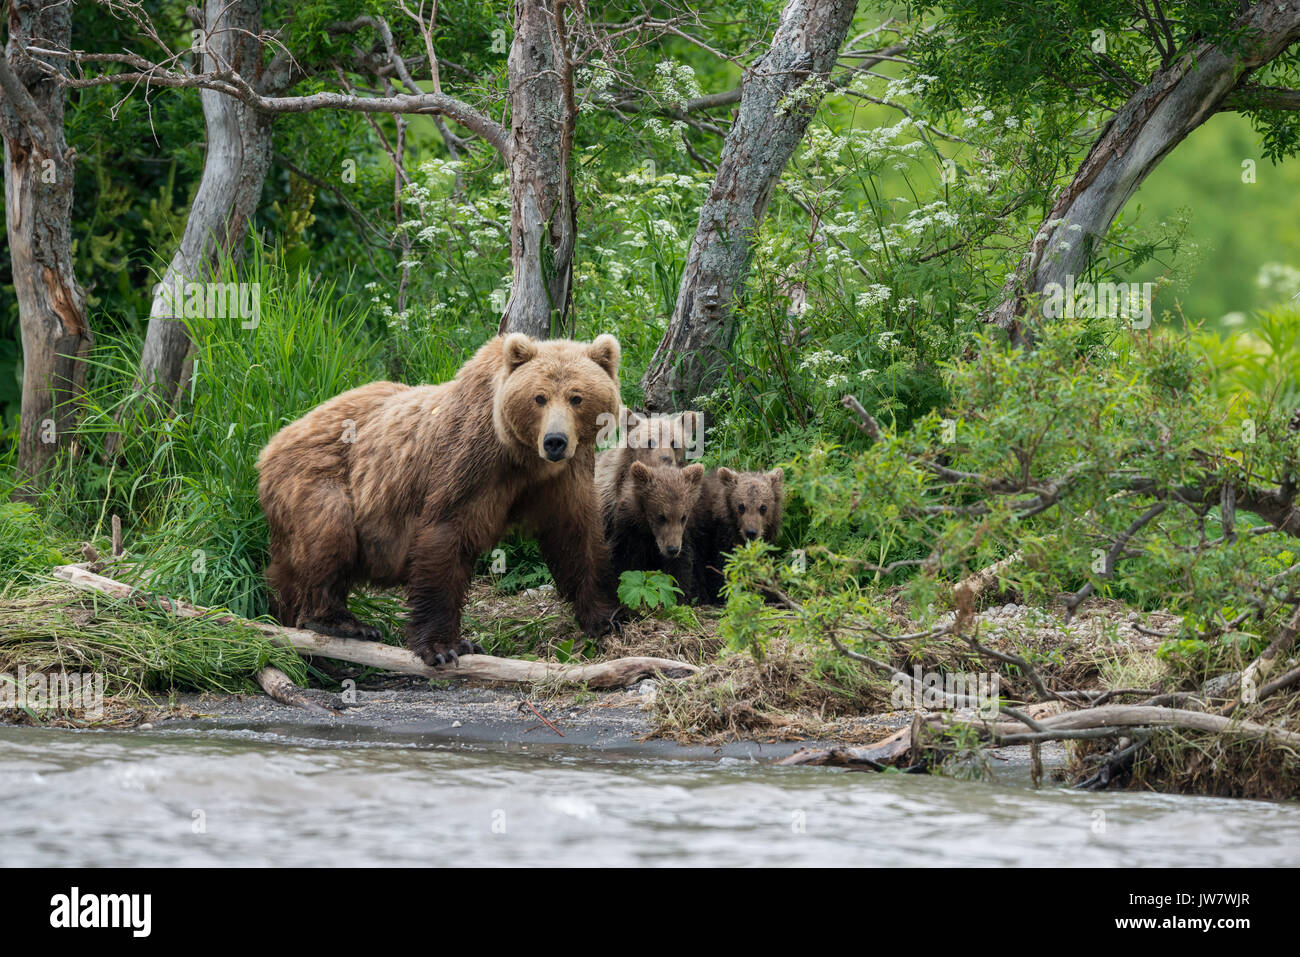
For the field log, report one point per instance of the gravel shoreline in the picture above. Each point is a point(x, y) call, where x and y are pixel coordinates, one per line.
point(607, 724)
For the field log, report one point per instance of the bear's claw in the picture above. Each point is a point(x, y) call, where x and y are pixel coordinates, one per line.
point(342, 627)
point(449, 654)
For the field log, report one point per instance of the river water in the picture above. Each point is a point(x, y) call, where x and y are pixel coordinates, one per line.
point(251, 798)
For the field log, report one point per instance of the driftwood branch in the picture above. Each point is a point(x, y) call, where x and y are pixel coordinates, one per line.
point(618, 673)
point(1259, 669)
point(1106, 721)
point(281, 687)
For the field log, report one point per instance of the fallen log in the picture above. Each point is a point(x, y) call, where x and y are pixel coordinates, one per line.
point(1071, 725)
point(1125, 716)
point(618, 673)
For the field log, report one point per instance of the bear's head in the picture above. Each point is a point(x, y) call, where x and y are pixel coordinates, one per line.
point(553, 394)
point(663, 439)
point(754, 501)
point(666, 496)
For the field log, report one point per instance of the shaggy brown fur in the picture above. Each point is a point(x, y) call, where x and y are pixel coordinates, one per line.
point(652, 439)
point(647, 522)
point(408, 485)
point(733, 508)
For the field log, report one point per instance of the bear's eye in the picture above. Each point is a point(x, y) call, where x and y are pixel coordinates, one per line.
point(762, 510)
point(683, 518)
point(576, 400)
point(540, 399)
point(741, 509)
point(663, 519)
point(653, 445)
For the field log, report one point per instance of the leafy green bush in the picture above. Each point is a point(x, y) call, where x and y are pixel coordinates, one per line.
point(647, 590)
point(1100, 460)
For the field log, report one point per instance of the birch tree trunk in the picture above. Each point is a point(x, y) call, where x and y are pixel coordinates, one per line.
point(38, 176)
point(543, 219)
point(779, 95)
point(1159, 116)
point(234, 171)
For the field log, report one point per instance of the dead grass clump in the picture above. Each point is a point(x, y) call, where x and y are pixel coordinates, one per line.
point(1194, 762)
point(56, 628)
point(788, 694)
point(657, 638)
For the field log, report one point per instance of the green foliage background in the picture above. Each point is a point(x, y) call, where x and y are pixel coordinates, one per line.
point(893, 228)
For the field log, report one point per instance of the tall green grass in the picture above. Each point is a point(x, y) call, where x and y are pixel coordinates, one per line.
point(184, 479)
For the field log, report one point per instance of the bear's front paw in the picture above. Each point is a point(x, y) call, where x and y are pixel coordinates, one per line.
point(437, 653)
point(341, 626)
point(604, 620)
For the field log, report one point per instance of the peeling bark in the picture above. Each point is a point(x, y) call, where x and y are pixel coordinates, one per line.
point(234, 171)
point(779, 95)
point(543, 218)
point(1159, 116)
point(39, 174)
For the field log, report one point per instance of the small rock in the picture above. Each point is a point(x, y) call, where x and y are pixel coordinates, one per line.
point(455, 724)
point(145, 727)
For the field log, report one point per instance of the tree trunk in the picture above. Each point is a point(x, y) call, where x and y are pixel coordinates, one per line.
point(1159, 116)
point(38, 175)
point(234, 170)
point(773, 115)
point(543, 220)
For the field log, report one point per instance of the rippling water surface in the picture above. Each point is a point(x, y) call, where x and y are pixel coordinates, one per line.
point(186, 798)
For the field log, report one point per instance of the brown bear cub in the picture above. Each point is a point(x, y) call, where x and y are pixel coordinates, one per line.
point(408, 485)
point(646, 524)
point(652, 439)
point(733, 508)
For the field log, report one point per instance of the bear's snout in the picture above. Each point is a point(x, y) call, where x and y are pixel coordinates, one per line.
point(751, 533)
point(672, 551)
point(555, 444)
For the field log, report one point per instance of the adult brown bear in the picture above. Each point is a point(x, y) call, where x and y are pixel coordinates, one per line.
point(408, 485)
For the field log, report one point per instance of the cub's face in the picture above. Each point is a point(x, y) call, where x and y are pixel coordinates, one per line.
point(754, 501)
point(662, 439)
point(553, 393)
point(666, 495)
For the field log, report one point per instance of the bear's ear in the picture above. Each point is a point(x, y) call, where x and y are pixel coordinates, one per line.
point(777, 478)
point(727, 477)
point(517, 349)
point(641, 473)
point(606, 353)
point(694, 474)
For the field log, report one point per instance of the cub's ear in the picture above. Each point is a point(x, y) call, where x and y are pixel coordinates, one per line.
point(641, 473)
point(517, 349)
point(777, 478)
point(694, 474)
point(606, 353)
point(727, 477)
